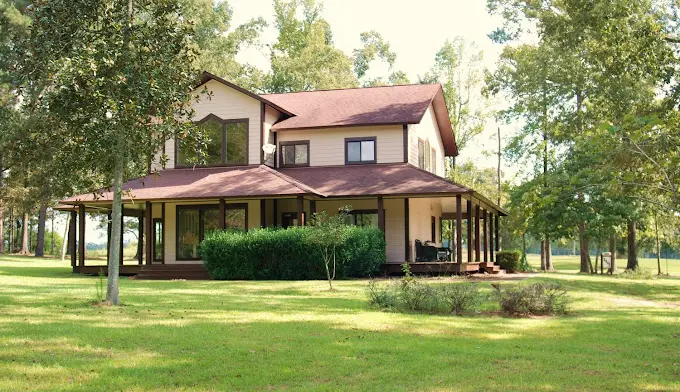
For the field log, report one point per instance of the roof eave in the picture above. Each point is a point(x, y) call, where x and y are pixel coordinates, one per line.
point(207, 76)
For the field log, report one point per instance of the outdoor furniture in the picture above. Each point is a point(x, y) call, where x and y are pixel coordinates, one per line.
point(425, 252)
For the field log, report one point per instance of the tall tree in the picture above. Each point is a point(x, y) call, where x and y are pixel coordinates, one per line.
point(219, 43)
point(458, 67)
point(375, 47)
point(304, 58)
point(117, 77)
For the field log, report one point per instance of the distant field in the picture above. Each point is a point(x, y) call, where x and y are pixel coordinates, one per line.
point(573, 263)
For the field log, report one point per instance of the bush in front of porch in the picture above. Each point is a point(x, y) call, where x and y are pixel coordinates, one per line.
point(287, 254)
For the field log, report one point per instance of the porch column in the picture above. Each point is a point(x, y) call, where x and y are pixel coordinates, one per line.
point(312, 208)
point(491, 226)
point(459, 229)
point(276, 211)
point(477, 233)
point(140, 239)
point(162, 232)
point(407, 236)
point(381, 215)
point(497, 239)
point(71, 237)
point(148, 221)
point(469, 231)
point(223, 211)
point(81, 235)
point(263, 213)
point(485, 238)
point(300, 210)
point(108, 237)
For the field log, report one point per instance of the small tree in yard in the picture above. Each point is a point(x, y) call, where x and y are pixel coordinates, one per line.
point(114, 79)
point(328, 234)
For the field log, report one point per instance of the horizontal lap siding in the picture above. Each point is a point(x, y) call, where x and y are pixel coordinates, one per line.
point(327, 145)
point(421, 211)
point(270, 117)
point(427, 129)
point(394, 221)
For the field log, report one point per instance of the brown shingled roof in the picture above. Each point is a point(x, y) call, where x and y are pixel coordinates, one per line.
point(202, 183)
point(355, 106)
point(384, 105)
point(373, 180)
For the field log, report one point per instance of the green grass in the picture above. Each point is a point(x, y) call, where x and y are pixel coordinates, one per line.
point(573, 264)
point(622, 335)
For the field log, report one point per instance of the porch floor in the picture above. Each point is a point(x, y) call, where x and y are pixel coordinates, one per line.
point(152, 272)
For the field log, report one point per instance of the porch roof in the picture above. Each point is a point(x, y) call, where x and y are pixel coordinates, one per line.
point(202, 183)
point(373, 180)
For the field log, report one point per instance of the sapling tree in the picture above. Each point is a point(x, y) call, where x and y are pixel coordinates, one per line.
point(328, 233)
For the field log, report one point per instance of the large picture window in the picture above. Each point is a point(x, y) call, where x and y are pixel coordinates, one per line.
point(195, 221)
point(360, 150)
point(225, 141)
point(363, 218)
point(294, 153)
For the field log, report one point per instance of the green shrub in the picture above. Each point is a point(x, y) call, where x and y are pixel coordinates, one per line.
point(414, 296)
point(288, 255)
point(460, 298)
point(383, 296)
point(509, 260)
point(418, 297)
point(639, 273)
point(533, 299)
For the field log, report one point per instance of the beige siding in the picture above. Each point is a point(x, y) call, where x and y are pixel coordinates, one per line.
point(171, 225)
point(394, 221)
point(421, 211)
point(327, 146)
point(271, 115)
point(428, 130)
point(226, 103)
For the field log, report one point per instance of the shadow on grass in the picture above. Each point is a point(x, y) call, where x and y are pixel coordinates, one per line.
point(313, 355)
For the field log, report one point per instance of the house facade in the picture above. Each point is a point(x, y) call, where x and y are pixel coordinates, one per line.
point(276, 159)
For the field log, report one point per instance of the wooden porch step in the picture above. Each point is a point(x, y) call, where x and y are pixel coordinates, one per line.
point(491, 268)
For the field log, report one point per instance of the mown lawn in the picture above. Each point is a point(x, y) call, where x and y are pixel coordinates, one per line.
point(622, 335)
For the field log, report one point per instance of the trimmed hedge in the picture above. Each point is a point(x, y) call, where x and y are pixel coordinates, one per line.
point(509, 260)
point(285, 254)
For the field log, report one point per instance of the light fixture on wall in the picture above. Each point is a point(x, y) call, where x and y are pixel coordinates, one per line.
point(269, 149)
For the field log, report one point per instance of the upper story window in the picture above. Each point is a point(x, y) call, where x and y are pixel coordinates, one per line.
point(294, 153)
point(360, 150)
point(428, 163)
point(421, 154)
point(226, 143)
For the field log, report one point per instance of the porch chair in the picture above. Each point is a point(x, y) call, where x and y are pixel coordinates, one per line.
point(425, 252)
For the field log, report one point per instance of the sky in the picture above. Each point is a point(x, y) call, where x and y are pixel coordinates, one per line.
point(415, 32)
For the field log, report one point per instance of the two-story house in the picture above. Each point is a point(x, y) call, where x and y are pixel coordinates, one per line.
point(380, 150)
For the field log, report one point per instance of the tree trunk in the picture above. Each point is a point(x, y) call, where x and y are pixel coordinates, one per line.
point(612, 250)
point(585, 255)
point(11, 230)
point(116, 233)
point(548, 255)
point(42, 218)
point(632, 246)
point(498, 169)
point(658, 245)
point(542, 255)
point(2, 225)
point(24, 235)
